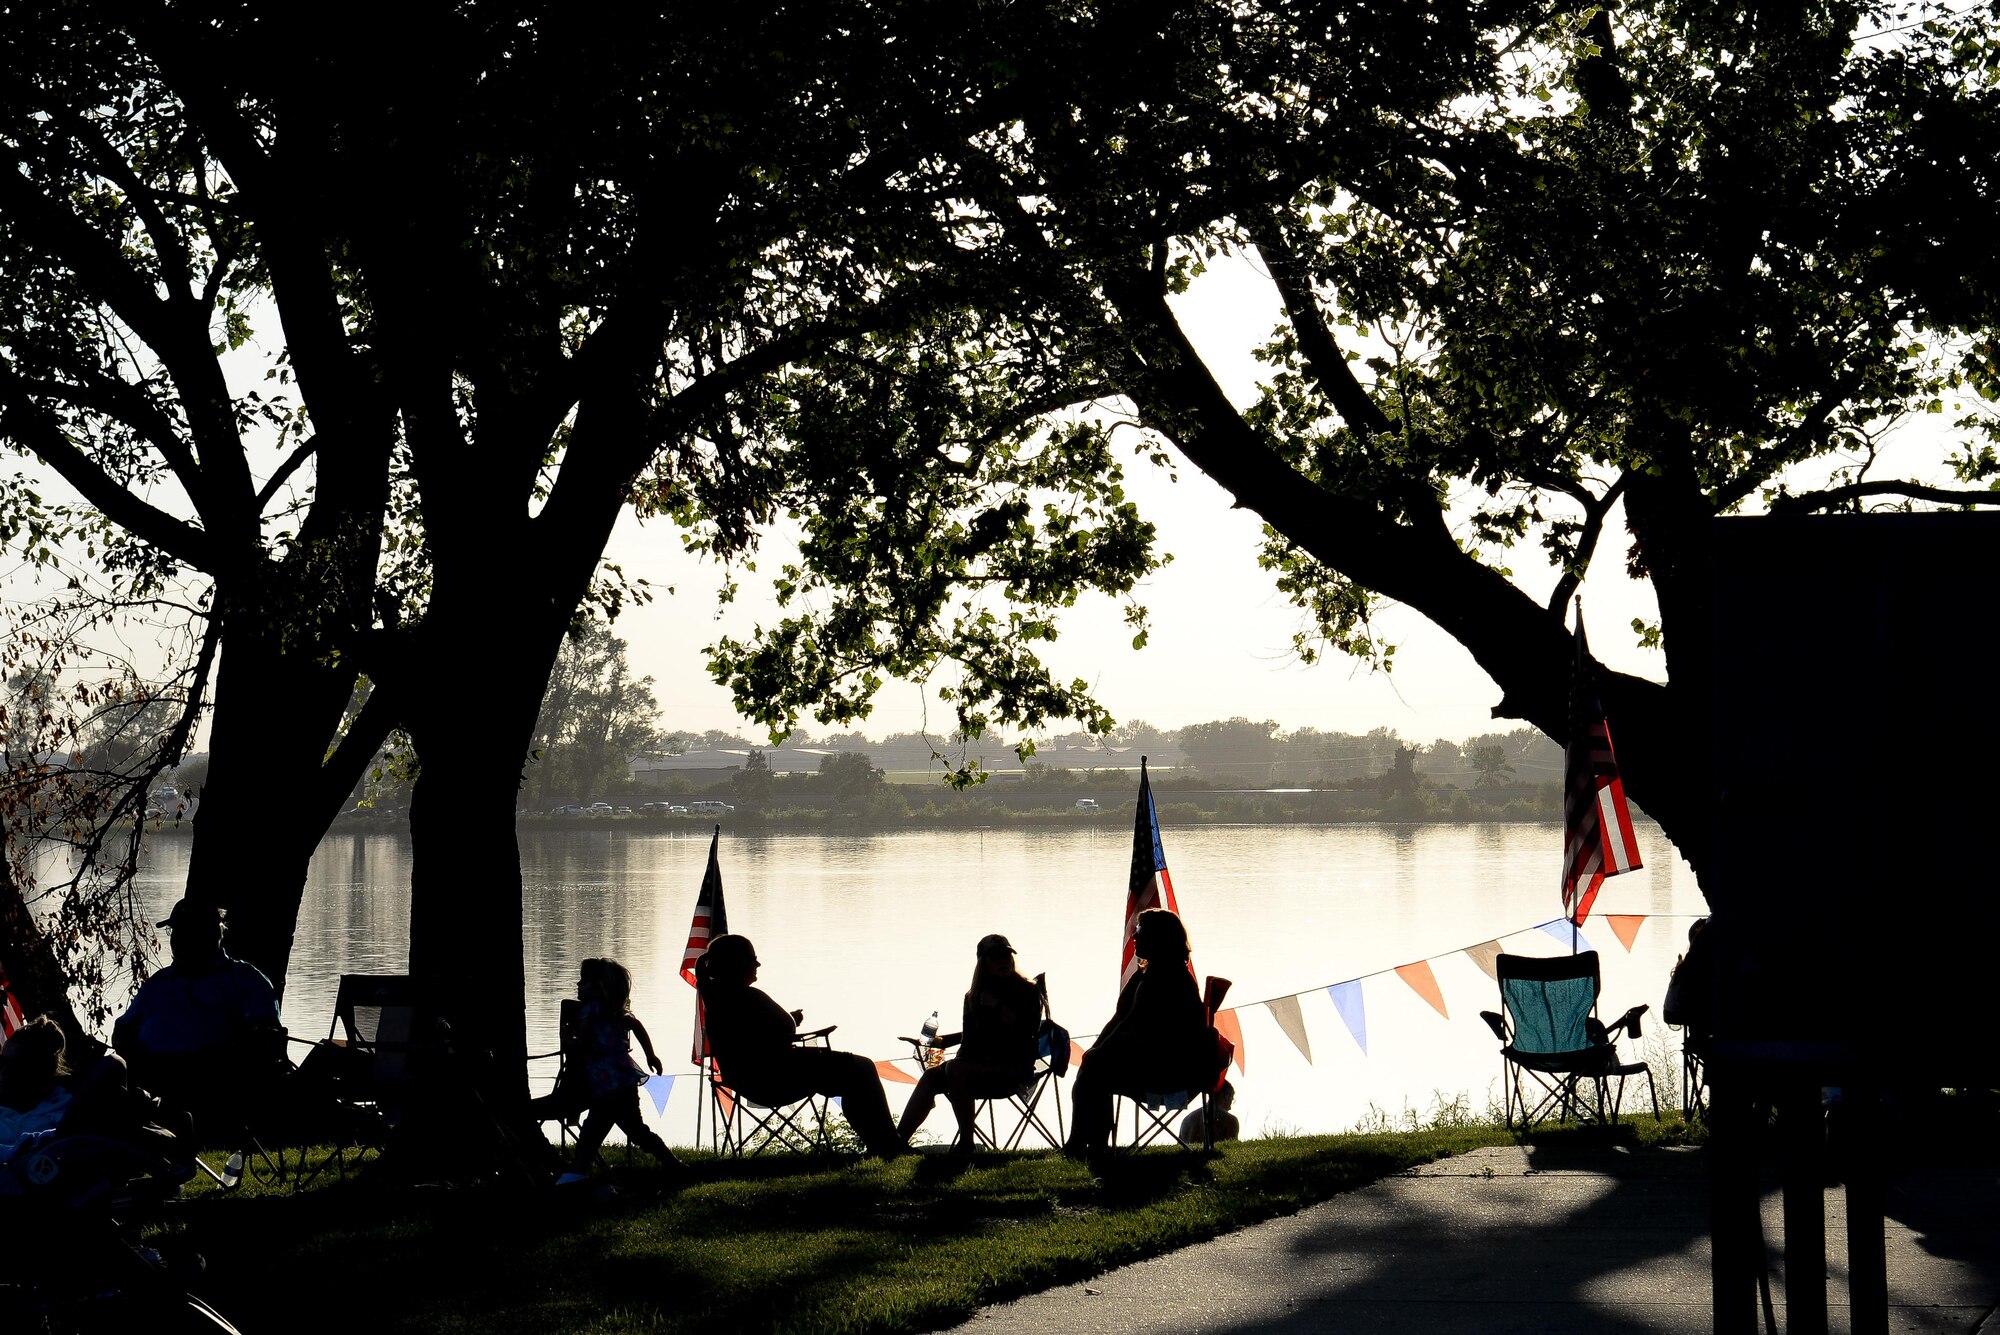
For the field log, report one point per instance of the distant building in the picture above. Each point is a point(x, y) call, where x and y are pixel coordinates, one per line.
point(712, 766)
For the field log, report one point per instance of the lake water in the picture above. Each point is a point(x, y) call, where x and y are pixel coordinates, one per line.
point(873, 932)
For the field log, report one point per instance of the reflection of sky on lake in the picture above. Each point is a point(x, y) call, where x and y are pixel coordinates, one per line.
point(873, 932)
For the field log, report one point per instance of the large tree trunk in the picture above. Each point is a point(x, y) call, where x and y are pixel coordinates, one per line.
point(270, 793)
point(472, 730)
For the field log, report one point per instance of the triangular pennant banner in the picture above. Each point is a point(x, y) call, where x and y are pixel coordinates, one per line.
point(1562, 930)
point(891, 1071)
point(1424, 983)
point(1483, 955)
point(1231, 1028)
point(726, 1099)
point(1625, 926)
point(658, 1088)
point(1075, 1053)
point(1285, 1010)
point(1347, 1000)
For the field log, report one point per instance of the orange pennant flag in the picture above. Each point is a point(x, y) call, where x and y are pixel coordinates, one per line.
point(1424, 983)
point(1483, 955)
point(891, 1071)
point(1075, 1053)
point(726, 1099)
point(1231, 1028)
point(1625, 926)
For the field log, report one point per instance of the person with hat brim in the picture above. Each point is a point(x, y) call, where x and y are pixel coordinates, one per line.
point(203, 1032)
point(996, 1048)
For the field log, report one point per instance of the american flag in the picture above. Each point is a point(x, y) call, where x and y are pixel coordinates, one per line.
point(1597, 827)
point(711, 920)
point(11, 1017)
point(1151, 887)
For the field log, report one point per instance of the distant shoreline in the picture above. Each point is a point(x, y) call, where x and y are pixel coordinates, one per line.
point(844, 823)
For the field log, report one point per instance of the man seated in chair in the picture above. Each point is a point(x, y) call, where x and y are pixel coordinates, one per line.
point(752, 1038)
point(996, 1050)
point(1158, 1041)
point(203, 1032)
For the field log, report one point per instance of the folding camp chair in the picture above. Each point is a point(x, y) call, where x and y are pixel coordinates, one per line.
point(1694, 1075)
point(336, 1096)
point(1550, 1040)
point(1154, 1114)
point(1051, 1064)
point(745, 1125)
point(567, 1101)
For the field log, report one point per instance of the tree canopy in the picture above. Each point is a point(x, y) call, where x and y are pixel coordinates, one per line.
point(1537, 269)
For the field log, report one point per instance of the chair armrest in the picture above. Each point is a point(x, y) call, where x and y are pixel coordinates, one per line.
point(1497, 1024)
point(1629, 1022)
point(814, 1035)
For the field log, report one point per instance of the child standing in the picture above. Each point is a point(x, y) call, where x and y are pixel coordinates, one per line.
point(605, 1028)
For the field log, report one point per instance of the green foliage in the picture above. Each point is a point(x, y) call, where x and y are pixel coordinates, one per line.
point(595, 717)
point(849, 774)
point(1491, 762)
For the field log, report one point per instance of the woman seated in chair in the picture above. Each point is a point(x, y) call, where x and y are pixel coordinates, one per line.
point(996, 1051)
point(1158, 1041)
point(752, 1038)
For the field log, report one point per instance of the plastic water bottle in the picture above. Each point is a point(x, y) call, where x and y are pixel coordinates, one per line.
point(929, 1035)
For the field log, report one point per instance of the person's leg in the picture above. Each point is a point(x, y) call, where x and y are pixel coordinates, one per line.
point(968, 1084)
point(852, 1078)
point(597, 1124)
point(633, 1124)
point(1090, 1105)
point(922, 1099)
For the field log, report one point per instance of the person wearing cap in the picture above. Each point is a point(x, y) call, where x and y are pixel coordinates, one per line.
point(755, 1045)
point(996, 1048)
point(200, 1031)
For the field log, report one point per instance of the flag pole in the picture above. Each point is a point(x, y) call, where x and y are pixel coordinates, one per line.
point(1569, 740)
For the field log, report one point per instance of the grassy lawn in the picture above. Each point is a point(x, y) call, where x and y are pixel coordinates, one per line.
point(778, 1243)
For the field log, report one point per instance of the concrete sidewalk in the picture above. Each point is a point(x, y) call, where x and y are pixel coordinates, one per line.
point(1523, 1239)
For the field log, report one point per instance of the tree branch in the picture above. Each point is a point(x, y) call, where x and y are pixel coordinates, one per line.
point(1328, 364)
point(1809, 501)
point(29, 423)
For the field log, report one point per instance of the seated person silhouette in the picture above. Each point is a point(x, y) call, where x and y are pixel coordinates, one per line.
point(1159, 1039)
point(1687, 1001)
point(203, 1032)
point(996, 1050)
point(39, 1094)
point(1195, 1125)
point(751, 1037)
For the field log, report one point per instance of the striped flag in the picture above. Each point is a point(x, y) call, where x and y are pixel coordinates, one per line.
point(11, 1017)
point(711, 920)
point(1151, 887)
point(1597, 827)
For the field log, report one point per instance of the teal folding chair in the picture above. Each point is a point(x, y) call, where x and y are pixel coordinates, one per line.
point(1551, 1041)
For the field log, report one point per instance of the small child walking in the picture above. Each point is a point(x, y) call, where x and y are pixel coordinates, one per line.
point(605, 1028)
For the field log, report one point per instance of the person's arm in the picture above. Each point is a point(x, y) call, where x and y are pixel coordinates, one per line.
point(1121, 1017)
point(125, 1033)
point(646, 1043)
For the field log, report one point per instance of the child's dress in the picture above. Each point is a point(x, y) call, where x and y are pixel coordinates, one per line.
point(607, 1047)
